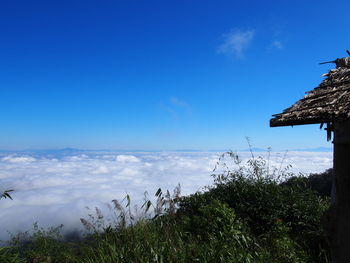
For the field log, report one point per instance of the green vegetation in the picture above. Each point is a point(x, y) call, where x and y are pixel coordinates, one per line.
point(251, 213)
point(6, 194)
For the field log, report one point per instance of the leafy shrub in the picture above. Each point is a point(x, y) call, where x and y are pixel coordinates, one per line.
point(42, 245)
point(321, 183)
point(8, 255)
point(165, 240)
point(259, 197)
point(216, 221)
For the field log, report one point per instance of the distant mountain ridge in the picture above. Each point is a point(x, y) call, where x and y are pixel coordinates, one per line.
point(318, 149)
point(69, 150)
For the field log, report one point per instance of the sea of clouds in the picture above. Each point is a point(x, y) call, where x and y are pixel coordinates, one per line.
point(56, 188)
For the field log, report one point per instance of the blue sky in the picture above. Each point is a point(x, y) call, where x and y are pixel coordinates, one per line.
point(162, 75)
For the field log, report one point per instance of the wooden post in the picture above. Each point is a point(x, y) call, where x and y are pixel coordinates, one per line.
point(340, 237)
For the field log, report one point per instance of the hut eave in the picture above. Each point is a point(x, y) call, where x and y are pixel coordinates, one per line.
point(328, 102)
point(281, 123)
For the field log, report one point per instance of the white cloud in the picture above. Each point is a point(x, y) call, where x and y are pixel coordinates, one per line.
point(175, 101)
point(236, 42)
point(21, 159)
point(55, 191)
point(127, 159)
point(177, 107)
point(102, 170)
point(276, 44)
point(77, 157)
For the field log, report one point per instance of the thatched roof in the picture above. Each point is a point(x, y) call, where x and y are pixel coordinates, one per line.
point(329, 102)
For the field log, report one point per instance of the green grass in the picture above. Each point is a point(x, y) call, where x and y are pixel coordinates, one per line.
point(251, 213)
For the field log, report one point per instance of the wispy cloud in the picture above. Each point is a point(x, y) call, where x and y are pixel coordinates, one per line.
point(177, 107)
point(276, 44)
point(175, 101)
point(236, 42)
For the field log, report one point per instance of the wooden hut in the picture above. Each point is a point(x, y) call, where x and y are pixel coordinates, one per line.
point(329, 104)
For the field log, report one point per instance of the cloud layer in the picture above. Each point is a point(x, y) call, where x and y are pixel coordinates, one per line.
point(55, 190)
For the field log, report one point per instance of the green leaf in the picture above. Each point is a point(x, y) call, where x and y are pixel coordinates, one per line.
point(6, 194)
point(159, 192)
point(128, 199)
